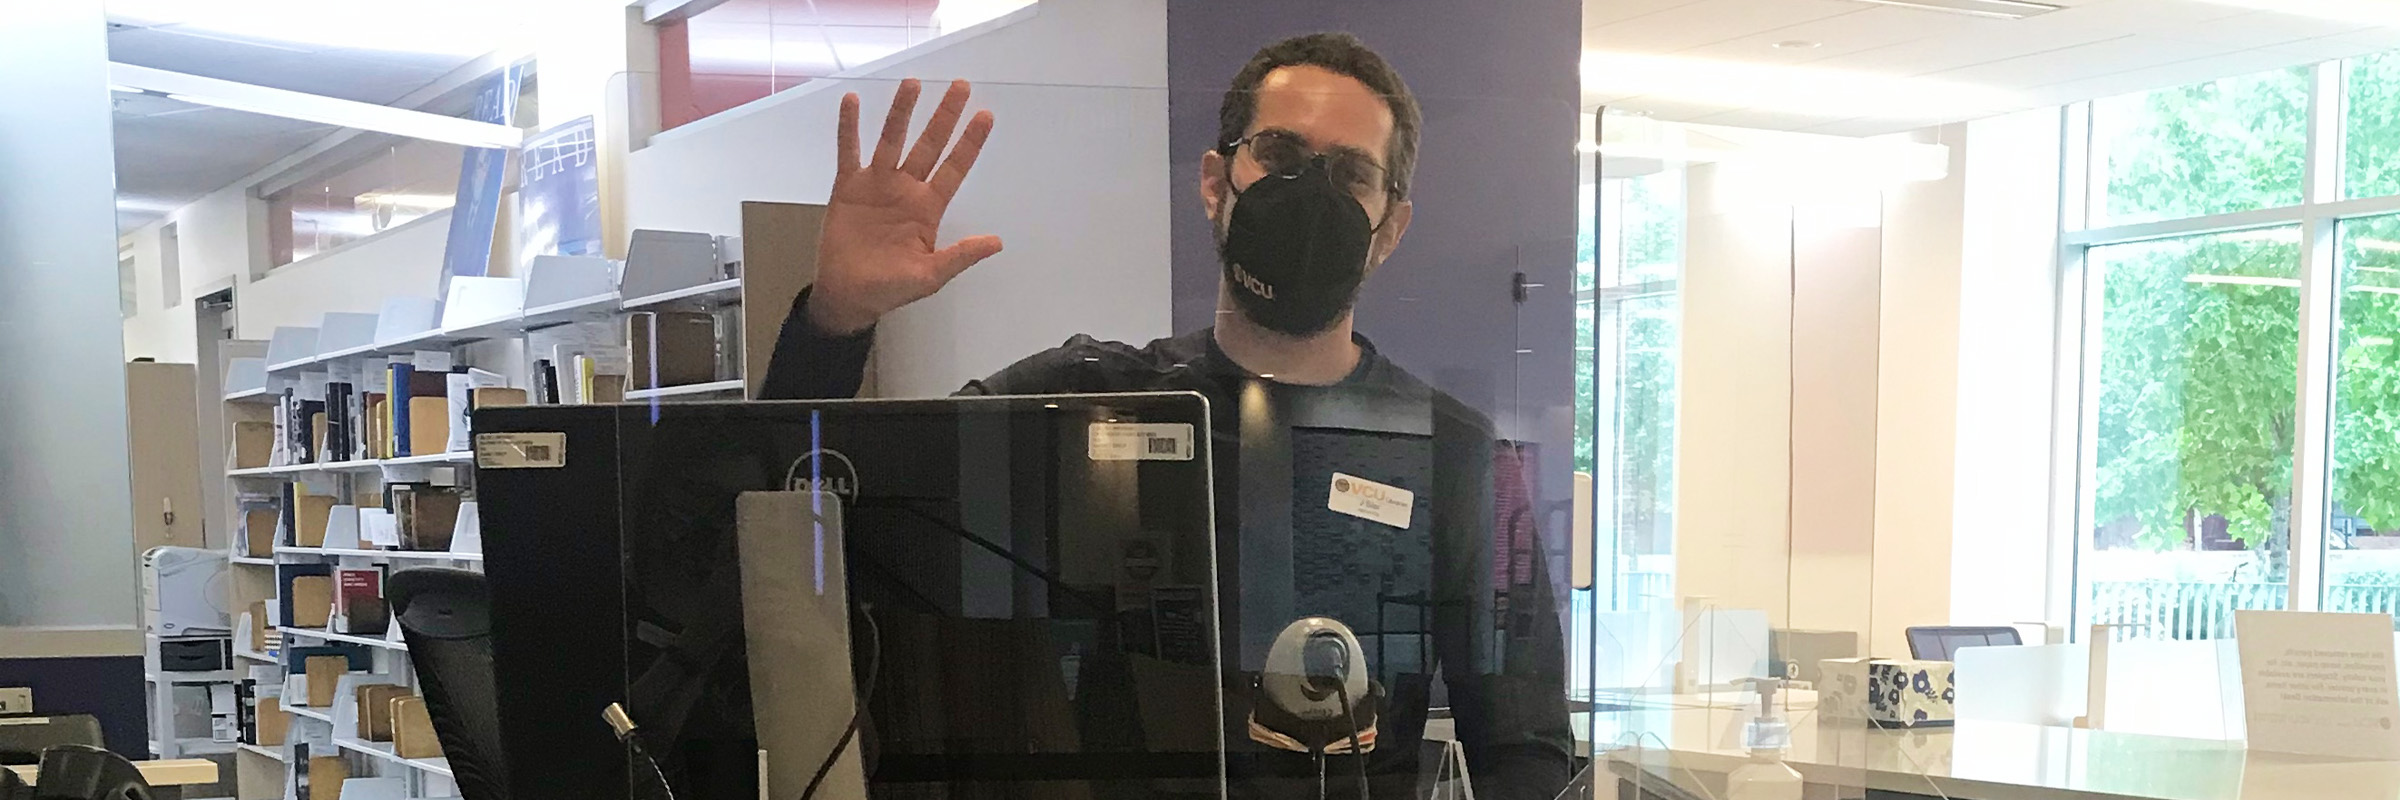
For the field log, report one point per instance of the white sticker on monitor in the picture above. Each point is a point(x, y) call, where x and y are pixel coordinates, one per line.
point(520, 450)
point(1141, 441)
point(1368, 500)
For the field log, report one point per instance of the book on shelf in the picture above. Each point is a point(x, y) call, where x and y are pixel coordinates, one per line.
point(358, 607)
point(253, 444)
point(305, 596)
point(375, 710)
point(412, 729)
point(361, 659)
point(337, 423)
point(589, 372)
point(426, 515)
point(261, 516)
point(671, 348)
point(460, 399)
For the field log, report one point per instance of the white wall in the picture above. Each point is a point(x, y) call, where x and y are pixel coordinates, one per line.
point(2006, 329)
point(218, 233)
point(1733, 422)
point(400, 262)
point(1075, 181)
point(1864, 424)
point(1916, 398)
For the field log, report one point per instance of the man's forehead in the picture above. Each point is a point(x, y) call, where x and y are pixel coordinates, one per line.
point(1325, 107)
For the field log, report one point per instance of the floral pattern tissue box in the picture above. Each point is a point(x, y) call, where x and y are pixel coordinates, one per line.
point(1890, 693)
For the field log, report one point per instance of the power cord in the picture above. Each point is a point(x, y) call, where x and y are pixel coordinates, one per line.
point(1342, 693)
point(618, 721)
point(866, 693)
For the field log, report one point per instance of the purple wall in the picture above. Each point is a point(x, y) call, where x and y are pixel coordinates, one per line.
point(1494, 193)
point(109, 688)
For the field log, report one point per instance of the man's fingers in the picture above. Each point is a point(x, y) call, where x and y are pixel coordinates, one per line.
point(895, 125)
point(846, 137)
point(958, 257)
point(962, 156)
point(937, 131)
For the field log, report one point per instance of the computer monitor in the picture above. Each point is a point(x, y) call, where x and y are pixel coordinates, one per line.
point(1032, 582)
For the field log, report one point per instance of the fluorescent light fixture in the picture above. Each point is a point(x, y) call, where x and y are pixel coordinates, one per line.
point(1996, 9)
point(1815, 91)
point(2242, 280)
point(315, 108)
point(953, 15)
point(2379, 246)
point(2376, 290)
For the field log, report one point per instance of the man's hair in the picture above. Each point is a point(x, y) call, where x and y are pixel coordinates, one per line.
point(1341, 53)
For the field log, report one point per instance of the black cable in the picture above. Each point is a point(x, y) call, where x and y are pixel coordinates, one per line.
point(1320, 773)
point(1341, 691)
point(866, 693)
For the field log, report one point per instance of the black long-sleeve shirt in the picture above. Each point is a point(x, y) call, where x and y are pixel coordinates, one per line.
point(1494, 630)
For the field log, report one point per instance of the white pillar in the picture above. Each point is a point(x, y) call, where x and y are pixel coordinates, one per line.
point(66, 520)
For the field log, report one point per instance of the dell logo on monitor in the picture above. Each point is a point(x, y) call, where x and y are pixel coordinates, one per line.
point(823, 470)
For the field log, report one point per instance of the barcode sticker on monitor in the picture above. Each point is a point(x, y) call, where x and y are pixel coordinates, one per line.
point(1141, 441)
point(520, 450)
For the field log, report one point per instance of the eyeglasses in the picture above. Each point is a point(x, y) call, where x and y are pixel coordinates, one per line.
point(1285, 155)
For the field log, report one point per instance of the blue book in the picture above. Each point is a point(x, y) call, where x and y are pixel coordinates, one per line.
point(395, 403)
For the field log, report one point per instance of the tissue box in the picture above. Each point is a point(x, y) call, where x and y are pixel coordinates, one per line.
point(1889, 693)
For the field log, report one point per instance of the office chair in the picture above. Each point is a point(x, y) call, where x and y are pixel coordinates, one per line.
point(23, 738)
point(445, 614)
point(1942, 643)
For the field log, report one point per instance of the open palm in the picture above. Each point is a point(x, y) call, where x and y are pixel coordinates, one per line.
point(878, 251)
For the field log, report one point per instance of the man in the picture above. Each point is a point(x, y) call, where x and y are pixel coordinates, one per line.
point(1308, 189)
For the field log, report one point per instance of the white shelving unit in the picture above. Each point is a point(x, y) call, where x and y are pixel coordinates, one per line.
point(478, 326)
point(733, 387)
point(329, 636)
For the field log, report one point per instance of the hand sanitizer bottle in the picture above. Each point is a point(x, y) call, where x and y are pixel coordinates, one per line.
point(1766, 777)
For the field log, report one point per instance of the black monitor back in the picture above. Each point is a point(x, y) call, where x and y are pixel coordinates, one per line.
point(1044, 613)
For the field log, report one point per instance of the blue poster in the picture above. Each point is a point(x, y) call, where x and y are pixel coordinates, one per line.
point(558, 194)
point(475, 214)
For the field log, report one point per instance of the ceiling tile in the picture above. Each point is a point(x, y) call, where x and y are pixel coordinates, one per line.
point(160, 48)
point(1602, 12)
point(1849, 33)
point(1709, 22)
point(2161, 76)
point(2066, 64)
point(366, 81)
point(1942, 53)
point(2260, 29)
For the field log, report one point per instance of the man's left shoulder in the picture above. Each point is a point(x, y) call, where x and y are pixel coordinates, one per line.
point(1450, 414)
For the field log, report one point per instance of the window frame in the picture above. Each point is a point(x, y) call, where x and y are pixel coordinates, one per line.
point(2319, 215)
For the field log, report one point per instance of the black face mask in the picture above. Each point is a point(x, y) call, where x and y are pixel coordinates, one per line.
point(1295, 251)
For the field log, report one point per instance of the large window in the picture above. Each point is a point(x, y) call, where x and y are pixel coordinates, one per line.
point(2198, 342)
point(1627, 321)
point(2224, 456)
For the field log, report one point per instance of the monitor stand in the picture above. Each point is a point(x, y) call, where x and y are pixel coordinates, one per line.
point(796, 617)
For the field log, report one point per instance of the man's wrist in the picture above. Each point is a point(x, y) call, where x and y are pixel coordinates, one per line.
point(832, 319)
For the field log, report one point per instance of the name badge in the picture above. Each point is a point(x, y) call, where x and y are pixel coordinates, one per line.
point(1371, 501)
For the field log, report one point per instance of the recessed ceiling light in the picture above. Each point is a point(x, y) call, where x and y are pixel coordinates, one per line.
point(1797, 44)
point(1998, 9)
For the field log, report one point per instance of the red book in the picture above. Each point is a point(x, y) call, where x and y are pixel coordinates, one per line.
point(358, 607)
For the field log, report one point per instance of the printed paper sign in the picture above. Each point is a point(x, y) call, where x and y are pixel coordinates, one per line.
point(2319, 684)
point(1141, 441)
point(1371, 501)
